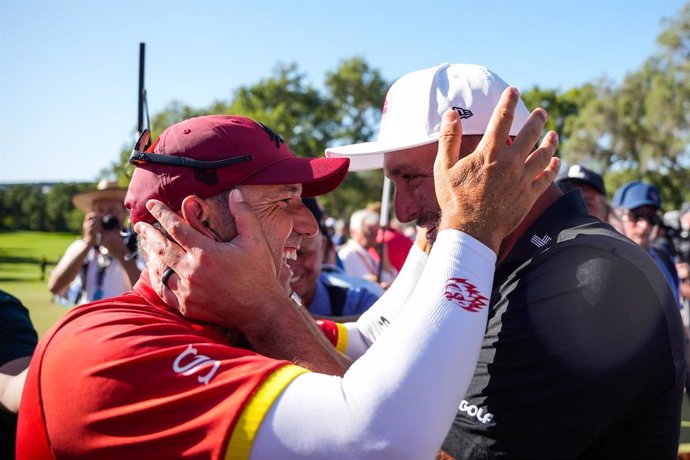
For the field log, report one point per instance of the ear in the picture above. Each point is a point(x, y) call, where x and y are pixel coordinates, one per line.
point(196, 211)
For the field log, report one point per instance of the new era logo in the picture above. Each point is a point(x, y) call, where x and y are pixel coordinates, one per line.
point(540, 242)
point(464, 113)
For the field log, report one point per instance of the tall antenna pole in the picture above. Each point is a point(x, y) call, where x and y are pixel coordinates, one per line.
point(140, 120)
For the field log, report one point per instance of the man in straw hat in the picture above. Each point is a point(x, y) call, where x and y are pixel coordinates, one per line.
point(100, 264)
point(583, 352)
point(245, 372)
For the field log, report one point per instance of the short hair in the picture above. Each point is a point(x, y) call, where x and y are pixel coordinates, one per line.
point(361, 217)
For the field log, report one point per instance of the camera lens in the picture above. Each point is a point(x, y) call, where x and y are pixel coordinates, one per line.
point(109, 222)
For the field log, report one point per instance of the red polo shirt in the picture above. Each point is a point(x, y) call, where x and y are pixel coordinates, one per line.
point(127, 377)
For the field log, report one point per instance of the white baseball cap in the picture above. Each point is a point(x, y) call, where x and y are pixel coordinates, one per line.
point(414, 105)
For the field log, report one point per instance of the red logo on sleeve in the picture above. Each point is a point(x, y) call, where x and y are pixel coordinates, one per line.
point(464, 294)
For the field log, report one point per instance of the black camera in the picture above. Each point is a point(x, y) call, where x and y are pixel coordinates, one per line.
point(109, 222)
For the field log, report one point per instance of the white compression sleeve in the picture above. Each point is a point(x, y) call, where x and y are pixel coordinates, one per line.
point(374, 321)
point(399, 398)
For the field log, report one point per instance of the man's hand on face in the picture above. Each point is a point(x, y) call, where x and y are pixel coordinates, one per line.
point(488, 193)
point(231, 284)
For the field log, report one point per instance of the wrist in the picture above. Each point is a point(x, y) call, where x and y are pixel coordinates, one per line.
point(264, 322)
point(477, 231)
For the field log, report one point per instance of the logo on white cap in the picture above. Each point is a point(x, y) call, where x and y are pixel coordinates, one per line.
point(464, 113)
point(414, 106)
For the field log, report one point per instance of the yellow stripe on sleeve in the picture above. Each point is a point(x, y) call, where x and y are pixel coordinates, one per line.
point(341, 344)
point(242, 438)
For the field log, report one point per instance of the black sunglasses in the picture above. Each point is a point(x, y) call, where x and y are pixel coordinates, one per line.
point(139, 157)
point(652, 218)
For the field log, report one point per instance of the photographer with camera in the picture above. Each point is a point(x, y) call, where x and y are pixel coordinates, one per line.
point(104, 262)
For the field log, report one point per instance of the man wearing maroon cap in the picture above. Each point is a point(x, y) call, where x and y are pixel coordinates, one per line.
point(244, 372)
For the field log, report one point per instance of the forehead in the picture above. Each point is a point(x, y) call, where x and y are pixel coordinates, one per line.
point(421, 159)
point(410, 160)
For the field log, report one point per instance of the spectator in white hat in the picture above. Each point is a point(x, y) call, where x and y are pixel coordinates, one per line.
point(565, 369)
point(104, 262)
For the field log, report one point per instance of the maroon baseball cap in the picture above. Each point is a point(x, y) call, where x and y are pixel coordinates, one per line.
point(215, 153)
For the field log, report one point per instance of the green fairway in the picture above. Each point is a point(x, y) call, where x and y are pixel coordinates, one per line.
point(21, 254)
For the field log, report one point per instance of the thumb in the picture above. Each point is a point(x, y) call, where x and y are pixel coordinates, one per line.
point(449, 141)
point(246, 221)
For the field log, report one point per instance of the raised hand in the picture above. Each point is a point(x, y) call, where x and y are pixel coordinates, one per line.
point(488, 193)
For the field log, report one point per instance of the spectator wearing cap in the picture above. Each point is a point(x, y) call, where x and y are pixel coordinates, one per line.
point(591, 187)
point(565, 369)
point(637, 205)
point(208, 357)
point(101, 264)
point(325, 289)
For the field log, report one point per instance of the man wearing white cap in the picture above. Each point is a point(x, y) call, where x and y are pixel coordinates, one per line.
point(100, 264)
point(567, 368)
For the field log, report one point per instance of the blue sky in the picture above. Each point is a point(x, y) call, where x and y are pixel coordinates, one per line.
point(68, 84)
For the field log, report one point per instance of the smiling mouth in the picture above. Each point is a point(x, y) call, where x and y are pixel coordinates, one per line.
point(289, 254)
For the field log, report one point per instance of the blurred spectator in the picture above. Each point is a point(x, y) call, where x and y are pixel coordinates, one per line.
point(337, 227)
point(683, 269)
point(104, 262)
point(357, 261)
point(390, 241)
point(591, 187)
point(18, 339)
point(637, 204)
point(681, 237)
point(327, 291)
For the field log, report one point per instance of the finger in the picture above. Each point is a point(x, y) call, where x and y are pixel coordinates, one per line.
point(501, 120)
point(178, 229)
point(449, 141)
point(247, 223)
point(529, 134)
point(541, 163)
point(546, 177)
point(157, 249)
point(169, 289)
point(166, 291)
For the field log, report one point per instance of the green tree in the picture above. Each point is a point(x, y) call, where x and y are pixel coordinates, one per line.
point(61, 215)
point(357, 92)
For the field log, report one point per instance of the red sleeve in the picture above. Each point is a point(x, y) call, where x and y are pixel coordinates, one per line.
point(335, 333)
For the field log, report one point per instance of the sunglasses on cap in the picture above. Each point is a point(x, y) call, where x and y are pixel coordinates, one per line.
point(140, 156)
point(652, 218)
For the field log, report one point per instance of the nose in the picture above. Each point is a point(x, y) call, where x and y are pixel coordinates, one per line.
point(405, 206)
point(305, 224)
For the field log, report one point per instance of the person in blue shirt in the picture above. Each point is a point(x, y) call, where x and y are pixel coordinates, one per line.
point(323, 288)
point(637, 204)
